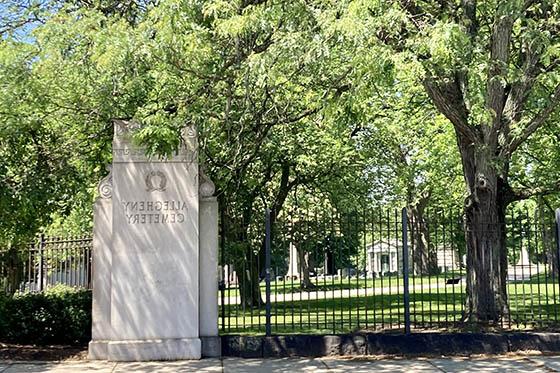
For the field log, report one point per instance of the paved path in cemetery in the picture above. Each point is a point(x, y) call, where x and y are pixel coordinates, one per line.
point(522, 363)
point(350, 293)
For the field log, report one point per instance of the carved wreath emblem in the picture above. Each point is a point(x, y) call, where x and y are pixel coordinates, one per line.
point(155, 181)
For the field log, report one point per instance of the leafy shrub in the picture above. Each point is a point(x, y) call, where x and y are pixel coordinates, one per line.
point(60, 315)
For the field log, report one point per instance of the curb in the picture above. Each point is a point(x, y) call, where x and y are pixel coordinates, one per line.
point(388, 344)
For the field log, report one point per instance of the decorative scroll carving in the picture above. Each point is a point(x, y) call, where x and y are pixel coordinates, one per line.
point(206, 187)
point(125, 126)
point(188, 132)
point(105, 186)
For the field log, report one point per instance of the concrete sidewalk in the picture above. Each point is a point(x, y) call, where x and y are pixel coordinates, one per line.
point(522, 363)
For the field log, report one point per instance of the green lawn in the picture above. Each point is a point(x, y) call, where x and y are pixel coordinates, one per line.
point(293, 286)
point(531, 304)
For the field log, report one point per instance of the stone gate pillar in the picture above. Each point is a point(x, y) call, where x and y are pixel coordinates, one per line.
point(147, 241)
point(208, 274)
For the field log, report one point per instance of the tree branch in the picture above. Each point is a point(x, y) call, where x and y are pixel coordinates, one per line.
point(448, 98)
point(517, 96)
point(519, 195)
point(537, 121)
point(528, 4)
point(13, 25)
point(520, 89)
point(499, 56)
point(470, 20)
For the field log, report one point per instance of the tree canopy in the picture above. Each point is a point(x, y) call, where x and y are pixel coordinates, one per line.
point(403, 102)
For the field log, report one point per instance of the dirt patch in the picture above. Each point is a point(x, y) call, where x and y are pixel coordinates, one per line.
point(47, 353)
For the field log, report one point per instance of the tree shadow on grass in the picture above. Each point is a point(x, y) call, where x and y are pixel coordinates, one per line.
point(343, 315)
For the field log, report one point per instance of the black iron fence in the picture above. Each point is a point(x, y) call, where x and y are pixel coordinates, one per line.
point(325, 271)
point(317, 270)
point(47, 262)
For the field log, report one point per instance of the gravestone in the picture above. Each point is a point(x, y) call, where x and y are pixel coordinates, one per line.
point(155, 256)
point(524, 269)
point(293, 263)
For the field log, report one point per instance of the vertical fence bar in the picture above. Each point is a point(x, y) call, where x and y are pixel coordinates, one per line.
point(558, 245)
point(225, 276)
point(30, 267)
point(406, 290)
point(41, 261)
point(267, 271)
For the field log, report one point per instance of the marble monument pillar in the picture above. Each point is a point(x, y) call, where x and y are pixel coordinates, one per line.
point(147, 255)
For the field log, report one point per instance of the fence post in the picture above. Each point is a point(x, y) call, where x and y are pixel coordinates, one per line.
point(406, 290)
point(224, 279)
point(267, 270)
point(558, 242)
point(41, 261)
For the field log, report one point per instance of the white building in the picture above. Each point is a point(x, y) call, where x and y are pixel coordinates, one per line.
point(524, 269)
point(447, 259)
point(385, 258)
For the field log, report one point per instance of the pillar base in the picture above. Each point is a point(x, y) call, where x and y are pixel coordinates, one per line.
point(211, 346)
point(97, 350)
point(145, 350)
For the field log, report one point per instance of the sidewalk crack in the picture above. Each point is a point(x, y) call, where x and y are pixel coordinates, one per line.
point(435, 366)
point(325, 364)
point(6, 367)
point(537, 364)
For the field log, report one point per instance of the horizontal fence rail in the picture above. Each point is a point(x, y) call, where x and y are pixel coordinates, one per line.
point(48, 262)
point(371, 270)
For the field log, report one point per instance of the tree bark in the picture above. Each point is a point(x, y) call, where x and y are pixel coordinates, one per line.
point(12, 275)
point(303, 259)
point(249, 282)
point(424, 258)
point(486, 300)
point(551, 253)
point(485, 170)
point(250, 267)
point(243, 258)
point(548, 233)
point(245, 265)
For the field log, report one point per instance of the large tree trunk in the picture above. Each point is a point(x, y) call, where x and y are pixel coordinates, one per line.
point(305, 280)
point(548, 233)
point(485, 168)
point(241, 255)
point(249, 282)
point(424, 259)
point(245, 264)
point(486, 148)
point(486, 300)
point(551, 251)
point(11, 272)
point(254, 262)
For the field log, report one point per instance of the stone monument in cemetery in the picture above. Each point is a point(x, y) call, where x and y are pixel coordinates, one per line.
point(155, 274)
